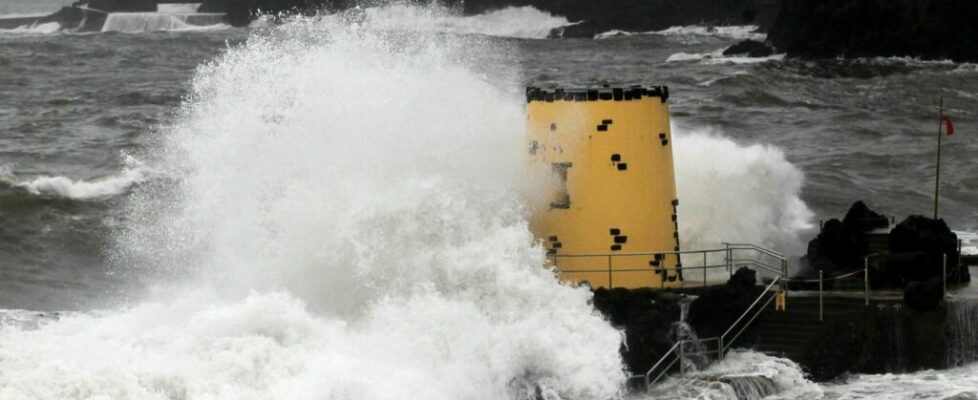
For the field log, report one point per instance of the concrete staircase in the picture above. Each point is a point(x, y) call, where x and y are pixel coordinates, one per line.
point(787, 333)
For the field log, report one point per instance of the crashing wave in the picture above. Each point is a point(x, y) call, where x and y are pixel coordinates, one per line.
point(761, 193)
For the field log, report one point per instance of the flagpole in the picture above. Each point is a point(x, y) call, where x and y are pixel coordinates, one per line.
point(937, 180)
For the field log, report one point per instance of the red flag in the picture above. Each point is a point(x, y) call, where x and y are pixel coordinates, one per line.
point(949, 125)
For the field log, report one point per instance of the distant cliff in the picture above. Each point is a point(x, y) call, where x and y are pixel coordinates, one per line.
point(929, 29)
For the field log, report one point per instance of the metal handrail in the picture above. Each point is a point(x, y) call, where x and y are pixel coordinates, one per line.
point(728, 263)
point(673, 352)
point(742, 315)
point(726, 345)
point(722, 343)
point(748, 246)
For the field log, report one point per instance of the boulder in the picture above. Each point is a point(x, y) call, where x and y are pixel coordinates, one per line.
point(841, 245)
point(749, 48)
point(120, 5)
point(928, 29)
point(711, 314)
point(646, 316)
point(77, 19)
point(924, 296)
point(930, 239)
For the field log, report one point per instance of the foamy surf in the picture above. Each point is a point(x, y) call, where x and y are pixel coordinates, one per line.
point(346, 220)
point(741, 375)
point(139, 22)
point(739, 32)
point(133, 173)
point(37, 29)
point(513, 22)
point(717, 57)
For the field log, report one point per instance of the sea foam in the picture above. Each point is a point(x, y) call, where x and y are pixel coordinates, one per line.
point(345, 219)
point(134, 172)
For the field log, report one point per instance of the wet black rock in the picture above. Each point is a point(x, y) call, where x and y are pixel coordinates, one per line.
point(77, 19)
point(841, 245)
point(750, 48)
point(929, 241)
point(121, 5)
point(713, 312)
point(647, 317)
point(929, 29)
point(924, 296)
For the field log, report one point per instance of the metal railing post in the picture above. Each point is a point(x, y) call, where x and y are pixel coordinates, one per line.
point(728, 259)
point(609, 272)
point(866, 279)
point(821, 307)
point(704, 269)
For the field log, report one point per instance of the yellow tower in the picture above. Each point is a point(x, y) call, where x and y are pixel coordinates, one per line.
point(611, 221)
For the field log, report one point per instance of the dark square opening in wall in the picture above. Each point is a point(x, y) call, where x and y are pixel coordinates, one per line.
point(562, 198)
point(622, 166)
point(615, 157)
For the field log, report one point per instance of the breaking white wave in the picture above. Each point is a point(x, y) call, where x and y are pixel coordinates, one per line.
point(742, 375)
point(515, 22)
point(717, 57)
point(740, 32)
point(348, 211)
point(38, 29)
point(138, 22)
point(730, 192)
point(133, 173)
point(959, 383)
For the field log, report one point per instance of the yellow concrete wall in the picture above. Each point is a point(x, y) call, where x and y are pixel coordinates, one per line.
point(616, 147)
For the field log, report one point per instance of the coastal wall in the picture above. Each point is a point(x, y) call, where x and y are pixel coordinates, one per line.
point(928, 29)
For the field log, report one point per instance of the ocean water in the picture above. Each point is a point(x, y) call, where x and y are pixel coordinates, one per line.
point(335, 207)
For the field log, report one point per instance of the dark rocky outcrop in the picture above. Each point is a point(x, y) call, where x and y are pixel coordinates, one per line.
point(918, 246)
point(841, 245)
point(121, 5)
point(929, 29)
point(77, 19)
point(647, 317)
point(749, 48)
point(713, 312)
point(924, 296)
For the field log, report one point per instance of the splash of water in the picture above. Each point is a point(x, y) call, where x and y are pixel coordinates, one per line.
point(730, 192)
point(138, 22)
point(345, 219)
point(516, 22)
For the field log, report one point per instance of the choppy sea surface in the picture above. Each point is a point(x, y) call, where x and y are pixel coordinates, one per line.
point(335, 207)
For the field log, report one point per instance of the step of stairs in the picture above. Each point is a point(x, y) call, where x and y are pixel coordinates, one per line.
point(787, 333)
